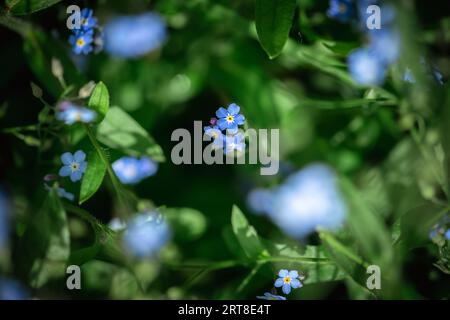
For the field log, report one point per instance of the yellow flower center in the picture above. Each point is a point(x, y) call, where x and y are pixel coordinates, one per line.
point(83, 21)
point(214, 135)
point(80, 42)
point(74, 166)
point(230, 118)
point(287, 279)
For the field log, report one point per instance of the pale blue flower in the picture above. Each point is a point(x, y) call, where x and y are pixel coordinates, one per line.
point(307, 200)
point(70, 113)
point(146, 234)
point(270, 296)
point(134, 36)
point(365, 67)
point(131, 170)
point(73, 165)
point(218, 137)
point(447, 234)
point(235, 142)
point(81, 41)
point(87, 21)
point(385, 44)
point(287, 280)
point(117, 224)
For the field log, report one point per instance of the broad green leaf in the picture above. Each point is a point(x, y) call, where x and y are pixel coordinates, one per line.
point(188, 224)
point(120, 131)
point(46, 246)
point(246, 234)
point(21, 7)
point(99, 101)
point(93, 176)
point(273, 21)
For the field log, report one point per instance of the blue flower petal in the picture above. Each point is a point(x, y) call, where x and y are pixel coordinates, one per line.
point(65, 171)
point(221, 113)
point(233, 109)
point(293, 274)
point(278, 282)
point(66, 158)
point(79, 156)
point(75, 176)
point(286, 288)
point(222, 123)
point(239, 119)
point(295, 283)
point(283, 273)
point(83, 166)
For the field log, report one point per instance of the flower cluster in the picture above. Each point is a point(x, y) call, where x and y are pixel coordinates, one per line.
point(84, 38)
point(146, 234)
point(134, 36)
point(228, 120)
point(132, 170)
point(70, 113)
point(287, 280)
point(307, 200)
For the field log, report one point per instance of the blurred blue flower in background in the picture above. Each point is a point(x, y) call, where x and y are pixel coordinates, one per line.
point(307, 200)
point(447, 234)
point(117, 224)
point(61, 192)
point(73, 165)
point(132, 170)
point(235, 142)
point(259, 200)
point(341, 10)
point(146, 234)
point(11, 290)
point(230, 119)
point(4, 219)
point(287, 280)
point(70, 113)
point(385, 44)
point(88, 21)
point(134, 36)
point(81, 41)
point(270, 296)
point(365, 67)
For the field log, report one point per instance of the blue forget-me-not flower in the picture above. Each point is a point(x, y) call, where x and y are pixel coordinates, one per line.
point(4, 219)
point(132, 170)
point(366, 68)
point(70, 113)
point(134, 36)
point(287, 280)
point(87, 19)
point(214, 132)
point(234, 142)
point(146, 234)
point(229, 119)
point(73, 165)
point(61, 192)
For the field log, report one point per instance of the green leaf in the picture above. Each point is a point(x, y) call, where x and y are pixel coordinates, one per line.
point(99, 101)
point(120, 131)
point(246, 235)
point(21, 7)
point(46, 243)
point(188, 224)
point(273, 22)
point(93, 176)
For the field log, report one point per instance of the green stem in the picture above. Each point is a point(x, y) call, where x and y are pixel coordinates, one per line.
point(21, 27)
